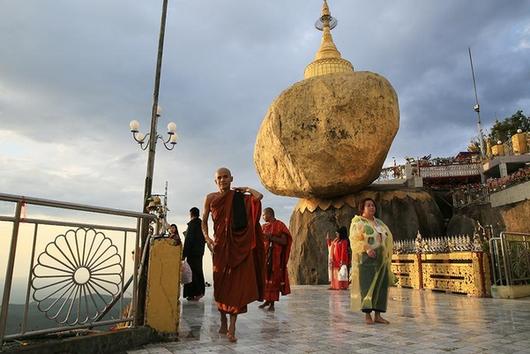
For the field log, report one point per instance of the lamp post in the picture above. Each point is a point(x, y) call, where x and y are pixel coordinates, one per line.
point(476, 108)
point(150, 141)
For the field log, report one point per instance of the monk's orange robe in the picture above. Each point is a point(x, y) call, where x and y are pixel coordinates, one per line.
point(238, 259)
point(277, 256)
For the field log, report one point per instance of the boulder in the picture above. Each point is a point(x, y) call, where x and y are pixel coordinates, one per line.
point(515, 216)
point(327, 136)
point(512, 217)
point(404, 211)
point(460, 224)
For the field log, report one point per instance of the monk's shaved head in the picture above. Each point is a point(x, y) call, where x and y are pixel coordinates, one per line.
point(223, 179)
point(223, 170)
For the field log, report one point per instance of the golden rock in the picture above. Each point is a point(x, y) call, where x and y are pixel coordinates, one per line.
point(327, 136)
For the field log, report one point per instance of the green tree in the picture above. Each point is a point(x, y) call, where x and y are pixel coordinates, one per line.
point(474, 145)
point(501, 130)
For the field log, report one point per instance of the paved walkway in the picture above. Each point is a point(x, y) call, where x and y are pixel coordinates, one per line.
point(316, 320)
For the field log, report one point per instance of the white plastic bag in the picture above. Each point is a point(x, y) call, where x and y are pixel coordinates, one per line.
point(185, 273)
point(343, 273)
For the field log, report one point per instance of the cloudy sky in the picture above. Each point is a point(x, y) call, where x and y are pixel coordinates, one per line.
point(73, 74)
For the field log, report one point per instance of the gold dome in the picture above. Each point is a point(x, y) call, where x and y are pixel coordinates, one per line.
point(328, 59)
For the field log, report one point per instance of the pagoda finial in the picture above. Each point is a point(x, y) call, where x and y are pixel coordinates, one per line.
point(328, 53)
point(325, 9)
point(325, 24)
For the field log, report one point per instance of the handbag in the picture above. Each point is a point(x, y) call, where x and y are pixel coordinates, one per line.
point(185, 273)
point(343, 273)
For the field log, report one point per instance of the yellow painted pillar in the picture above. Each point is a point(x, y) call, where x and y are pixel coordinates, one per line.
point(519, 143)
point(498, 150)
point(163, 287)
point(488, 148)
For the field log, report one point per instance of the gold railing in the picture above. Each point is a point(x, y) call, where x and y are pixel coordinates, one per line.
point(454, 264)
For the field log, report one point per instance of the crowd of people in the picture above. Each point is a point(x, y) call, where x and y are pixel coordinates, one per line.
point(250, 260)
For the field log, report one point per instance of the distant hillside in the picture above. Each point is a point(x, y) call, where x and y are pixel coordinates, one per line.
point(18, 289)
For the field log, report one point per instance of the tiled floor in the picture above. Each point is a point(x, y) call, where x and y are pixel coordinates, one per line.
point(315, 320)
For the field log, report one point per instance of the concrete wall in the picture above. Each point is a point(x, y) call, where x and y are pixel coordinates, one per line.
point(511, 195)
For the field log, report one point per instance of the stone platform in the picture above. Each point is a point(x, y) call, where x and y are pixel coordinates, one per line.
point(316, 320)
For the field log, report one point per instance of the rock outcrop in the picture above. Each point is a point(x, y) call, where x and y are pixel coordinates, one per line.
point(516, 216)
point(511, 217)
point(327, 136)
point(404, 211)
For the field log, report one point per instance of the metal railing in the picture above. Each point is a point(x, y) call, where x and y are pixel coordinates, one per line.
point(510, 258)
point(470, 194)
point(430, 169)
point(391, 173)
point(450, 170)
point(75, 276)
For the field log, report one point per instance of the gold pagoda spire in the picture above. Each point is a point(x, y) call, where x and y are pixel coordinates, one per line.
point(327, 47)
point(327, 59)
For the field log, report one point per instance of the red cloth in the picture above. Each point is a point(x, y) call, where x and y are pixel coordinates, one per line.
point(337, 284)
point(277, 281)
point(339, 253)
point(238, 260)
point(339, 256)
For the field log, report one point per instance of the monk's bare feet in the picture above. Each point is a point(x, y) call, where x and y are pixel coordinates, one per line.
point(262, 306)
point(231, 337)
point(231, 334)
point(271, 308)
point(368, 319)
point(224, 325)
point(379, 319)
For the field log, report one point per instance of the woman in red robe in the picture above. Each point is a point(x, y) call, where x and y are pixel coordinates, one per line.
point(277, 240)
point(340, 256)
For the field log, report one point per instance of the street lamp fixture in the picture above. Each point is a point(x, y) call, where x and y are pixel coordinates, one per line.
point(145, 141)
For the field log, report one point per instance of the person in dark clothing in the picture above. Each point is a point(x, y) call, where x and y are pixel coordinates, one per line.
point(193, 253)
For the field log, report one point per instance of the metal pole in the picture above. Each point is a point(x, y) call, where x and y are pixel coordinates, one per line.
point(71, 206)
point(123, 272)
point(30, 277)
point(477, 107)
point(494, 255)
point(142, 285)
point(135, 273)
point(479, 126)
point(504, 251)
point(9, 272)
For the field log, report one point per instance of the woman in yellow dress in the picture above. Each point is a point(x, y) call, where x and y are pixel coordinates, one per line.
point(371, 274)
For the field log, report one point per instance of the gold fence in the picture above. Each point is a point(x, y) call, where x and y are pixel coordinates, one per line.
point(452, 264)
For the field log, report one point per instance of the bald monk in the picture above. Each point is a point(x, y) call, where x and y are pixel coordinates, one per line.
point(237, 248)
point(277, 244)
